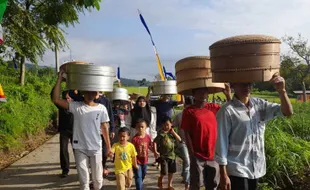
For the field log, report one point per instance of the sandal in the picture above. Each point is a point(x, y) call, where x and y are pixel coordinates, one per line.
point(170, 188)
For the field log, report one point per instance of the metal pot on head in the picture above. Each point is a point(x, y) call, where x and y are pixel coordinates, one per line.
point(168, 87)
point(86, 77)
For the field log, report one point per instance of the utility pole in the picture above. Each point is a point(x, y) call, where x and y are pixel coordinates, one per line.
point(56, 59)
point(57, 70)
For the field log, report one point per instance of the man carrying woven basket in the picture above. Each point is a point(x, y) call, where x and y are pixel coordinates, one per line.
point(200, 127)
point(240, 141)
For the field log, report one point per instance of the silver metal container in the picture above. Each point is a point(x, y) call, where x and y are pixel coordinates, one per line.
point(86, 77)
point(164, 87)
point(118, 94)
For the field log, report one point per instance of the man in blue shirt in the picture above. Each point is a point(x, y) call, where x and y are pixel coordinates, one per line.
point(164, 106)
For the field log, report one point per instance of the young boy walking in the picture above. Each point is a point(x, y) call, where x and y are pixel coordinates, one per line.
point(125, 158)
point(142, 143)
point(164, 146)
point(90, 122)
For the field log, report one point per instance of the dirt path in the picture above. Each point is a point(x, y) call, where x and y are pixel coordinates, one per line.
point(40, 170)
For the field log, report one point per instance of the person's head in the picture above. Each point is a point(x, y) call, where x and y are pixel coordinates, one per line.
point(141, 126)
point(89, 96)
point(166, 124)
point(117, 103)
point(165, 97)
point(141, 101)
point(242, 90)
point(66, 96)
point(123, 135)
point(126, 106)
point(200, 94)
point(188, 101)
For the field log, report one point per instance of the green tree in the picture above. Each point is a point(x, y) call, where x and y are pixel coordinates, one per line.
point(33, 26)
point(142, 82)
point(299, 59)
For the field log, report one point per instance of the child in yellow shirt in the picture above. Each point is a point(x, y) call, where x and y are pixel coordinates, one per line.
point(125, 158)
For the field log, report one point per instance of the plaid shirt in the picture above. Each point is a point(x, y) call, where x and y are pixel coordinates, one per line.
point(240, 140)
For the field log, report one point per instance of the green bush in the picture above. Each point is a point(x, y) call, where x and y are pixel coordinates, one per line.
point(28, 109)
point(287, 148)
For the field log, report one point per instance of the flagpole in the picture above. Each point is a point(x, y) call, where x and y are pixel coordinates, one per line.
point(160, 68)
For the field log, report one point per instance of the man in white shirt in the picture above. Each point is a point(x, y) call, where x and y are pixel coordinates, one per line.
point(90, 121)
point(240, 148)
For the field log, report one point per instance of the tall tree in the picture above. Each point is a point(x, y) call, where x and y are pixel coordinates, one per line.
point(142, 82)
point(33, 26)
point(299, 56)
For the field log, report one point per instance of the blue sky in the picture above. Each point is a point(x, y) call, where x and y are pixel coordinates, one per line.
point(115, 36)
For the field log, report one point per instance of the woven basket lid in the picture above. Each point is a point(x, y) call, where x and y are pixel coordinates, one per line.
point(193, 62)
point(244, 39)
point(193, 57)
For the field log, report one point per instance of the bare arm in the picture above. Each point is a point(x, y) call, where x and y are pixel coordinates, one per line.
point(134, 162)
point(105, 134)
point(224, 179)
point(189, 144)
point(286, 106)
point(226, 92)
point(156, 153)
point(178, 138)
point(279, 84)
point(148, 95)
point(56, 93)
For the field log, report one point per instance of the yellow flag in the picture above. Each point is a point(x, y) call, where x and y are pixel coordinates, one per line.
point(2, 96)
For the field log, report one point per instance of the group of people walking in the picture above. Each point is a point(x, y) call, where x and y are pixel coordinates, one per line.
point(220, 146)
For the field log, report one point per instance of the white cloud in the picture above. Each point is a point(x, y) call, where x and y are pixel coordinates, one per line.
point(206, 20)
point(230, 17)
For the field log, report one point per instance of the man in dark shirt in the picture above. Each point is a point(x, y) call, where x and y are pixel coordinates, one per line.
point(65, 129)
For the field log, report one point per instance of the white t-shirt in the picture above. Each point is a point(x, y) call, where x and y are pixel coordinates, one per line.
point(87, 125)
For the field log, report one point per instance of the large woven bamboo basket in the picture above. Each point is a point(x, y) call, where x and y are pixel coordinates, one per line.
point(195, 72)
point(246, 58)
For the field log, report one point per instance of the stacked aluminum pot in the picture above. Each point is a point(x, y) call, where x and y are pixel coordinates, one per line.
point(164, 87)
point(119, 94)
point(87, 77)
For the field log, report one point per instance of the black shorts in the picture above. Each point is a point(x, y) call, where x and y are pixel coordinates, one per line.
point(167, 166)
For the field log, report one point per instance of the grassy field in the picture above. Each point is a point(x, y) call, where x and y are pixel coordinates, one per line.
point(270, 96)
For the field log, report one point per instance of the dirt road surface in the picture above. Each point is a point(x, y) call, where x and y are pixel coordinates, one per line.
point(40, 170)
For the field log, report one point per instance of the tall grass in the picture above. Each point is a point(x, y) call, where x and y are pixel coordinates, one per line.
point(28, 109)
point(288, 148)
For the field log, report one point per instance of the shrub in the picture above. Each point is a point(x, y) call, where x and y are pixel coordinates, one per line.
point(28, 109)
point(287, 148)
